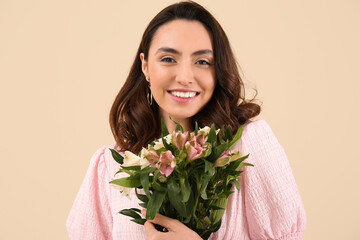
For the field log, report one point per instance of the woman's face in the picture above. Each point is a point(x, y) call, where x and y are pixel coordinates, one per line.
point(180, 68)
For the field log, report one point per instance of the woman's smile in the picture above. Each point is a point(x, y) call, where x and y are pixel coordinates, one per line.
point(183, 95)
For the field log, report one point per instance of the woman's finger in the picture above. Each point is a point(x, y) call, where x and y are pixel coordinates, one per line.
point(160, 220)
point(150, 229)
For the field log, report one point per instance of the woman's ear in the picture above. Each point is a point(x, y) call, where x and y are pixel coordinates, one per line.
point(144, 66)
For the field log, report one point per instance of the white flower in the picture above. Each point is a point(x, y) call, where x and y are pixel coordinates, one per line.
point(205, 130)
point(131, 159)
point(124, 191)
point(168, 138)
point(144, 152)
point(234, 155)
point(158, 144)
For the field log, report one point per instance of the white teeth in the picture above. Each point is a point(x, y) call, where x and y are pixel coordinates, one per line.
point(183, 94)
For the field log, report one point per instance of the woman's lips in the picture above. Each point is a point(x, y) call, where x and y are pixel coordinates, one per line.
point(183, 96)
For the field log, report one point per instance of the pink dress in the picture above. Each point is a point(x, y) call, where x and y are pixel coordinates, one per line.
point(268, 206)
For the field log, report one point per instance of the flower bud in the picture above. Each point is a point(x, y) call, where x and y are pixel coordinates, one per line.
point(223, 159)
point(180, 139)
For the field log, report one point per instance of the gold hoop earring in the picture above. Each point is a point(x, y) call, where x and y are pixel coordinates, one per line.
point(149, 96)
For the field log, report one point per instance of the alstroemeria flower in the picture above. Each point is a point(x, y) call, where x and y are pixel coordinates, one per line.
point(194, 150)
point(234, 155)
point(204, 131)
point(223, 159)
point(144, 152)
point(124, 191)
point(180, 139)
point(201, 138)
point(153, 157)
point(168, 138)
point(159, 144)
point(166, 164)
point(131, 159)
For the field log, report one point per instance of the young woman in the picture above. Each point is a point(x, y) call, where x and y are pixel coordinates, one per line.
point(185, 68)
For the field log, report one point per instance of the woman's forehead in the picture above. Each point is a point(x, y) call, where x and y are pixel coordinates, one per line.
point(183, 35)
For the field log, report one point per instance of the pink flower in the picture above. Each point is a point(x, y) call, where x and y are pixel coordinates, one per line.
point(166, 164)
point(180, 139)
point(153, 157)
point(194, 150)
point(223, 159)
point(201, 139)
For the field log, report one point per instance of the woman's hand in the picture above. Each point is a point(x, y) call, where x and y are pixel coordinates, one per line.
point(176, 230)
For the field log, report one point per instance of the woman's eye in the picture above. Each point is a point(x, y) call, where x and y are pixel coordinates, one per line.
point(168, 59)
point(203, 62)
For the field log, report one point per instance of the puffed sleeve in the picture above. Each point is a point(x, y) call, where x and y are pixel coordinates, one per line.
point(90, 216)
point(274, 209)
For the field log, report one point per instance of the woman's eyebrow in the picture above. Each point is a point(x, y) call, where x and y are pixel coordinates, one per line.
point(174, 51)
point(202, 52)
point(168, 50)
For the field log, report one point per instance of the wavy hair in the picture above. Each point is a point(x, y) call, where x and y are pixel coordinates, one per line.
point(134, 123)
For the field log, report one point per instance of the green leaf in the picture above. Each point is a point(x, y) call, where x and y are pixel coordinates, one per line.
point(147, 170)
point(209, 167)
point(136, 168)
point(216, 215)
point(243, 164)
point(136, 210)
point(236, 183)
point(212, 136)
point(158, 187)
point(139, 220)
point(117, 157)
point(129, 182)
point(221, 139)
point(130, 213)
point(215, 227)
point(185, 190)
point(164, 129)
point(228, 134)
point(144, 180)
point(204, 183)
point(212, 140)
point(175, 197)
point(235, 165)
point(214, 207)
point(154, 204)
point(237, 136)
point(219, 150)
point(179, 127)
point(167, 146)
point(141, 197)
point(144, 204)
point(227, 193)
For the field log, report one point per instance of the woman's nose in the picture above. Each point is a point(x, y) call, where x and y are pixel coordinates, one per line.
point(185, 74)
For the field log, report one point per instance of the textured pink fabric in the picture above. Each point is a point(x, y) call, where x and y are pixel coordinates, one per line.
point(268, 206)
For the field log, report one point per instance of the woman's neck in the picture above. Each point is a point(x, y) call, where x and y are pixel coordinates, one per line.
point(170, 123)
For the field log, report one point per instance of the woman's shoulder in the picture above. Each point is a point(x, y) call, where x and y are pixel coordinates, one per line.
point(256, 130)
point(103, 156)
point(258, 137)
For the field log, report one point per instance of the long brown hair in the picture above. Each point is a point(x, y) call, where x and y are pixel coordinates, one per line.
point(134, 123)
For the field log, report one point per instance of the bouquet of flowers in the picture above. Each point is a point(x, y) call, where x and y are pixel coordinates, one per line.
point(184, 175)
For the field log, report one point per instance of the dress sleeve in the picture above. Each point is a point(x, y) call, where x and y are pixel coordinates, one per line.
point(90, 216)
point(273, 206)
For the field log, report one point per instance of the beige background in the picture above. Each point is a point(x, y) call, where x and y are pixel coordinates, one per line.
point(62, 63)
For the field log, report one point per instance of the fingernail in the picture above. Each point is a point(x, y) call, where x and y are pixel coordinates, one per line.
point(143, 212)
